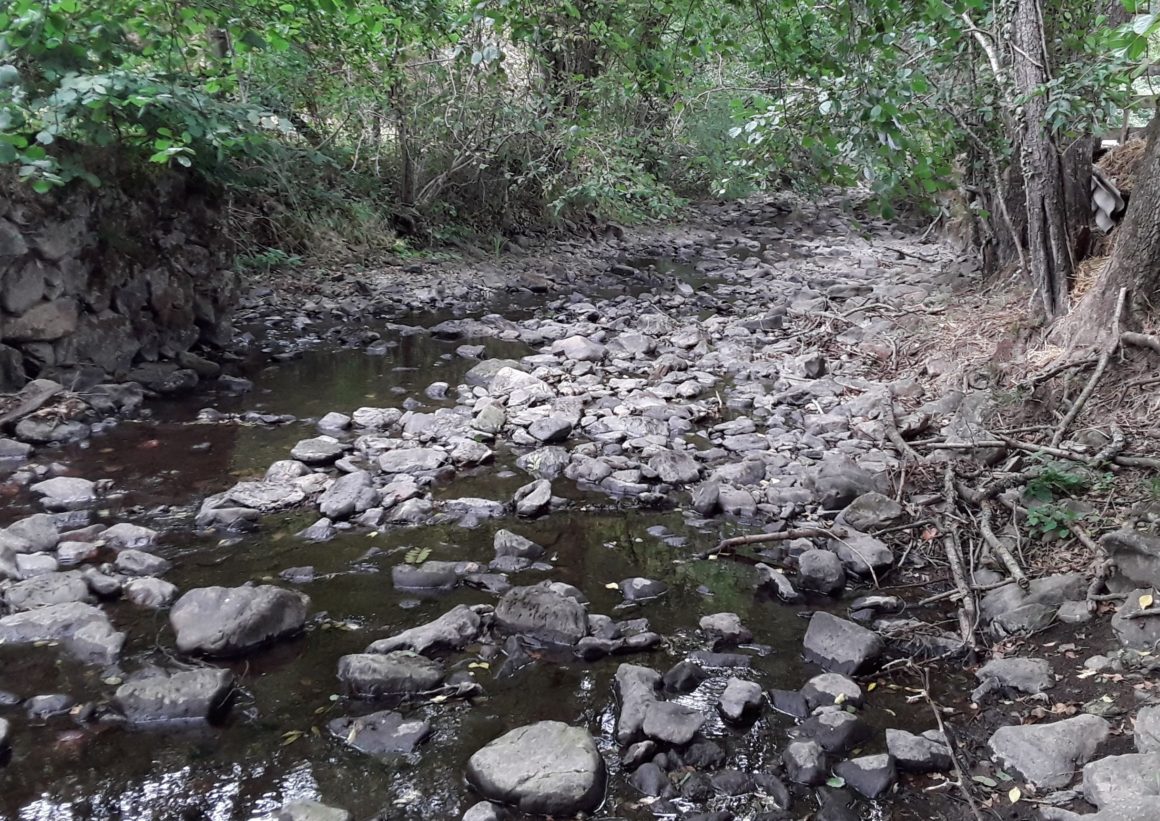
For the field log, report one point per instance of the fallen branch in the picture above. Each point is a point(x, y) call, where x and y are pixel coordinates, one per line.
point(959, 771)
point(1058, 369)
point(1000, 549)
point(891, 426)
point(1111, 450)
point(1101, 366)
point(955, 559)
point(1123, 460)
point(1141, 340)
point(950, 594)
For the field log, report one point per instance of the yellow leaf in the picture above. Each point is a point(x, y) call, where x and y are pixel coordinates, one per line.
point(612, 586)
point(840, 698)
point(870, 687)
point(1015, 794)
point(438, 699)
point(1146, 601)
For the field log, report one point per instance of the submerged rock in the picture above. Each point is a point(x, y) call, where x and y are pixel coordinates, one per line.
point(453, 630)
point(191, 695)
point(370, 675)
point(541, 613)
point(84, 631)
point(381, 734)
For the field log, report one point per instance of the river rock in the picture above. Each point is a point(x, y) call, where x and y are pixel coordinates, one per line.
point(370, 675)
point(485, 811)
point(66, 493)
point(1121, 777)
point(636, 690)
point(821, 571)
point(839, 482)
point(149, 592)
point(550, 429)
point(726, 628)
point(579, 349)
point(84, 631)
point(264, 497)
point(871, 775)
point(1136, 556)
point(1023, 675)
point(832, 688)
point(533, 499)
point(861, 553)
point(412, 460)
point(351, 493)
point(192, 695)
point(675, 467)
point(33, 533)
point(225, 621)
point(640, 589)
point(139, 563)
point(672, 723)
point(5, 736)
point(740, 700)
point(541, 613)
point(1147, 729)
point(47, 589)
point(1048, 754)
point(841, 646)
point(126, 536)
point(507, 543)
point(918, 753)
point(430, 575)
point(321, 450)
point(547, 768)
point(872, 511)
point(836, 731)
point(805, 762)
point(383, 734)
point(308, 811)
point(454, 630)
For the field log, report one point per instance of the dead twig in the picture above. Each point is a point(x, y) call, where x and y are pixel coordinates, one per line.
point(1000, 549)
point(955, 559)
point(761, 538)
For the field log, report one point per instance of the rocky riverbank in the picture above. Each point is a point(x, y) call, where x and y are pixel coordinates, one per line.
point(484, 574)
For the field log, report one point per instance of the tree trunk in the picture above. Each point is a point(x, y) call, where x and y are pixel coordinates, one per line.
point(1049, 247)
point(1134, 263)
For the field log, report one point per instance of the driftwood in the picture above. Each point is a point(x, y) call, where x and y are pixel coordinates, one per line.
point(761, 538)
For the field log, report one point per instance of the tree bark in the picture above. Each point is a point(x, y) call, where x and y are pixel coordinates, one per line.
point(1134, 263)
point(1049, 246)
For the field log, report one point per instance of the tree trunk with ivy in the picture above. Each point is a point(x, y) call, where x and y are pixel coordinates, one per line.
point(1048, 244)
point(1134, 263)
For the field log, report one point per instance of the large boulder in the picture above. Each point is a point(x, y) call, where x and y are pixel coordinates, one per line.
point(399, 673)
point(226, 621)
point(1048, 755)
point(636, 690)
point(1121, 776)
point(351, 493)
point(547, 768)
point(48, 589)
point(841, 646)
point(542, 613)
point(1136, 556)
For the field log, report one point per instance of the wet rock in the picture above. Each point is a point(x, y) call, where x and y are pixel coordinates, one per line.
point(5, 736)
point(805, 762)
point(832, 688)
point(579, 349)
point(66, 493)
point(637, 754)
point(321, 450)
point(548, 768)
point(33, 533)
point(640, 589)
point(1022, 675)
point(369, 675)
point(224, 621)
point(264, 497)
point(768, 576)
point(383, 734)
point(649, 779)
point(719, 660)
point(1135, 633)
point(839, 482)
point(726, 628)
point(138, 563)
point(675, 467)
point(684, 677)
point(454, 630)
point(1048, 754)
point(790, 702)
point(44, 431)
point(862, 554)
point(83, 630)
point(740, 700)
point(636, 690)
point(149, 592)
point(125, 536)
point(430, 575)
point(871, 512)
point(533, 499)
point(104, 585)
point(871, 775)
point(30, 564)
point(841, 646)
point(550, 429)
point(321, 531)
point(547, 463)
point(703, 754)
point(541, 613)
point(39, 708)
point(732, 782)
point(836, 732)
point(412, 460)
point(191, 695)
point(672, 723)
point(47, 589)
point(507, 543)
point(821, 571)
point(918, 753)
point(707, 499)
point(351, 493)
point(308, 811)
point(485, 811)
point(13, 451)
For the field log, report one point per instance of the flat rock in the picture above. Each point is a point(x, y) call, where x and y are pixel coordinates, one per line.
point(821, 571)
point(412, 460)
point(841, 646)
point(917, 753)
point(321, 450)
point(861, 553)
point(740, 700)
point(383, 734)
point(836, 732)
point(871, 775)
point(370, 675)
point(307, 811)
point(832, 688)
point(1121, 776)
point(139, 563)
point(48, 589)
point(805, 762)
point(190, 695)
point(675, 467)
point(66, 493)
point(84, 631)
point(1135, 633)
point(871, 512)
point(672, 723)
point(636, 691)
point(126, 536)
point(725, 627)
point(547, 768)
point(1023, 675)
point(224, 621)
point(1049, 754)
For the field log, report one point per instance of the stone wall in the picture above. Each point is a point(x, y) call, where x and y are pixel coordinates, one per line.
point(95, 283)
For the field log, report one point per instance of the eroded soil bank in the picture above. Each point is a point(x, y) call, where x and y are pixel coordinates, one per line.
point(403, 562)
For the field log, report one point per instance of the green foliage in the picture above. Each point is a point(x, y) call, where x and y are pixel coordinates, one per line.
point(1058, 479)
point(417, 555)
point(271, 259)
point(1052, 520)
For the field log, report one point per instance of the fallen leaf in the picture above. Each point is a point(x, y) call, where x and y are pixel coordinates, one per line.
point(612, 586)
point(1015, 794)
point(1145, 601)
point(986, 781)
